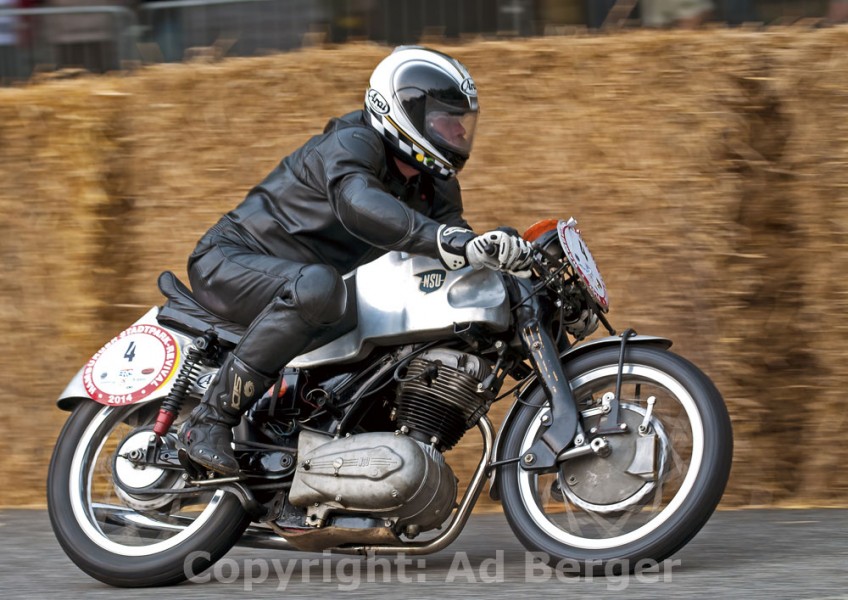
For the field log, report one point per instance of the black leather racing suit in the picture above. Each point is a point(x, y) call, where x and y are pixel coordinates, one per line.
point(275, 261)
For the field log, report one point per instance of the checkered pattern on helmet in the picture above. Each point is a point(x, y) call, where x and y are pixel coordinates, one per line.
point(406, 145)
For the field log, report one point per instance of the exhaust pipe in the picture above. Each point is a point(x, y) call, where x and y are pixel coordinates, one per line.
point(255, 536)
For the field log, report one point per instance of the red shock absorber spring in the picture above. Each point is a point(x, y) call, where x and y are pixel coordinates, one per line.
point(186, 377)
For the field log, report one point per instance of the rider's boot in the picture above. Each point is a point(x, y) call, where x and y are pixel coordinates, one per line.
point(207, 434)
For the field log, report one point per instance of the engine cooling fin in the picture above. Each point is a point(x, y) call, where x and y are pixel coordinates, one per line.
point(438, 400)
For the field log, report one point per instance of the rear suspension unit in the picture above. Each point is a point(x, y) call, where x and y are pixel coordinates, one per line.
point(202, 348)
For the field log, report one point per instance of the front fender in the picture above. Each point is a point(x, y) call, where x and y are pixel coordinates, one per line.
point(532, 383)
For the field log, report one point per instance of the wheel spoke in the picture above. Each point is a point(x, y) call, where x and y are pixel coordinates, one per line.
point(609, 528)
point(571, 515)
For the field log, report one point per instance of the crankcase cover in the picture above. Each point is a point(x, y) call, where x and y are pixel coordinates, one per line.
point(383, 474)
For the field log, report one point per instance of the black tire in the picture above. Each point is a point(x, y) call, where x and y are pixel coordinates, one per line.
point(561, 539)
point(96, 544)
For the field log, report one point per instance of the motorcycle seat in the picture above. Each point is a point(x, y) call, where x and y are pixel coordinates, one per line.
point(183, 312)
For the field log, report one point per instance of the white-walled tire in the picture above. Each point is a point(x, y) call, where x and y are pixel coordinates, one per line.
point(143, 545)
point(600, 513)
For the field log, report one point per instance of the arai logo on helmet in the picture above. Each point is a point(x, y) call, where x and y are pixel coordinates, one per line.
point(468, 88)
point(377, 102)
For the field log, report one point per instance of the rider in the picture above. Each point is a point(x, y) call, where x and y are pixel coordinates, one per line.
point(376, 180)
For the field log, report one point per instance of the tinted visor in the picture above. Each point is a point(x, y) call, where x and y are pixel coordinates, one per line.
point(450, 129)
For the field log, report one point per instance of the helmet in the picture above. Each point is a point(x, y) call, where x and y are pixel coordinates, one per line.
point(424, 105)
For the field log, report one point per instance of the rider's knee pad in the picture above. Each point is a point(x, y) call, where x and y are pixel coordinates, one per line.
point(320, 295)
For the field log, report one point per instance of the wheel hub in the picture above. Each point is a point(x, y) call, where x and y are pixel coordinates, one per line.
point(627, 474)
point(132, 479)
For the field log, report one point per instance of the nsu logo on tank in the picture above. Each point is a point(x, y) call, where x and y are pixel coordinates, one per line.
point(431, 280)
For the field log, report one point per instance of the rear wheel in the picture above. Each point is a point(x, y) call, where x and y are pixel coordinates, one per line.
point(124, 538)
point(641, 495)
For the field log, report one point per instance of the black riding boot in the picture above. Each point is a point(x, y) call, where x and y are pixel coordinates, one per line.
point(207, 434)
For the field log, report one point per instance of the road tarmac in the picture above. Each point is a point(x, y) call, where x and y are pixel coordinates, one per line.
point(792, 554)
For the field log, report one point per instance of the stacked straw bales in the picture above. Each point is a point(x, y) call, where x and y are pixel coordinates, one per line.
point(709, 173)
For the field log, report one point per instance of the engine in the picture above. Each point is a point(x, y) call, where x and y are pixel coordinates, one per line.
point(438, 399)
point(384, 475)
point(402, 477)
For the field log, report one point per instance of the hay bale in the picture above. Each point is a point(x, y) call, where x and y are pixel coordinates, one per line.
point(707, 171)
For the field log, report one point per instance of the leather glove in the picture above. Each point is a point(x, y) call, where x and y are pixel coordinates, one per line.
point(502, 252)
point(495, 250)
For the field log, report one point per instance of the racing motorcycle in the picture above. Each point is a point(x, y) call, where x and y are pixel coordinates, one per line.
point(615, 449)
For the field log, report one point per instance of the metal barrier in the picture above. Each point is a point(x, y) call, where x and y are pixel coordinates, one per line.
point(94, 38)
point(167, 30)
point(239, 27)
point(42, 39)
point(247, 27)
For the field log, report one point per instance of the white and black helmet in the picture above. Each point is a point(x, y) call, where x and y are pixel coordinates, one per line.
point(424, 104)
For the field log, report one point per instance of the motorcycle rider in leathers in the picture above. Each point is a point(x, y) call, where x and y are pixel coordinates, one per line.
point(375, 180)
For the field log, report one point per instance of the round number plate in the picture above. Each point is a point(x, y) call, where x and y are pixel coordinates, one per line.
point(581, 259)
point(132, 365)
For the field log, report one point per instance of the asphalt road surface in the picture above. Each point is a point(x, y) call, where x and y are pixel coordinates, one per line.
point(746, 554)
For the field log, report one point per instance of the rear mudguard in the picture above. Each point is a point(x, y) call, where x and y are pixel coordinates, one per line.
point(140, 364)
point(530, 386)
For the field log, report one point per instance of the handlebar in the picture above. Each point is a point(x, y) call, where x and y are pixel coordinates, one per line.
point(489, 248)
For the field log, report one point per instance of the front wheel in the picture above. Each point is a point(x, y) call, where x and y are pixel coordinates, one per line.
point(131, 539)
point(643, 494)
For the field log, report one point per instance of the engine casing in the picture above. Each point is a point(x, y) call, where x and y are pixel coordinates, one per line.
point(385, 475)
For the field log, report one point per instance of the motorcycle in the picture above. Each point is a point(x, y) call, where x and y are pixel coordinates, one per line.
point(614, 449)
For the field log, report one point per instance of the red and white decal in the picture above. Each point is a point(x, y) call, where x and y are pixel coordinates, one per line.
point(581, 259)
point(131, 366)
